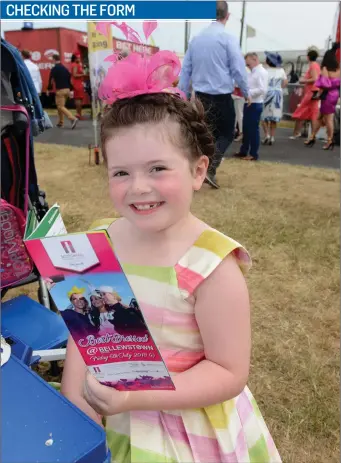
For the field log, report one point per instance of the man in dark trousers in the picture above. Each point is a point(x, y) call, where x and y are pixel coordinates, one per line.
point(214, 63)
point(61, 77)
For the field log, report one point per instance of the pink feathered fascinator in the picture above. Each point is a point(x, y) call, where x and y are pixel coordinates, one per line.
point(139, 74)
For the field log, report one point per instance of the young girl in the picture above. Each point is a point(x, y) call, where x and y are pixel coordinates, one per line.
point(188, 280)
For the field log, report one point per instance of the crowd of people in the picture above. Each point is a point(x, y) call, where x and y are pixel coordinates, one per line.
point(272, 104)
point(321, 94)
point(239, 91)
point(67, 83)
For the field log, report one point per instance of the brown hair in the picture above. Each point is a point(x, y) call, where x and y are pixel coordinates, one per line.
point(251, 54)
point(26, 54)
point(222, 10)
point(195, 137)
point(312, 55)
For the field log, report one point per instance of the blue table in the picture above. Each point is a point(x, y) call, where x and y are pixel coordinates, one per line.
point(31, 410)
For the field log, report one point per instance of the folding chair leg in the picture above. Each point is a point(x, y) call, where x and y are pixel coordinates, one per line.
point(44, 294)
point(54, 369)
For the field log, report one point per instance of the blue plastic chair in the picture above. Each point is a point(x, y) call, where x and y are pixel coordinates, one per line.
point(35, 325)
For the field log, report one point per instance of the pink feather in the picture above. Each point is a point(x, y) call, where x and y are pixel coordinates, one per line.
point(137, 75)
point(148, 28)
point(113, 58)
point(102, 28)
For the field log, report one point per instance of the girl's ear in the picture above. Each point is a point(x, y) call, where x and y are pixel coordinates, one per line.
point(199, 172)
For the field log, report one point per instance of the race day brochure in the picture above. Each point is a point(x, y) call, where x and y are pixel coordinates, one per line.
point(93, 295)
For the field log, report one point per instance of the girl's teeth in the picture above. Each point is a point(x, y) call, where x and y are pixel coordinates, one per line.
point(145, 207)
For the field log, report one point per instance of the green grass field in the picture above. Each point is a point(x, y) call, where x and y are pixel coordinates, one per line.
point(288, 218)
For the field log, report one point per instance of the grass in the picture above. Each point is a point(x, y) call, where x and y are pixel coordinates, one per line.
point(288, 218)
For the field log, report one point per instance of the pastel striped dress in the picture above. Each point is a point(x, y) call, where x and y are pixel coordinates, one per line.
point(229, 432)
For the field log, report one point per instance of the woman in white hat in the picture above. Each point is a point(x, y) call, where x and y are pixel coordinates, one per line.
point(273, 103)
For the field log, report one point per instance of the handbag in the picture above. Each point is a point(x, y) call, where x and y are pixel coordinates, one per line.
point(320, 97)
point(16, 264)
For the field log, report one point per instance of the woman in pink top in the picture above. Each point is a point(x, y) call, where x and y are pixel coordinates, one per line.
point(329, 85)
point(308, 109)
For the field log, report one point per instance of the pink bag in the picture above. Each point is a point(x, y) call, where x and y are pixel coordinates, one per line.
point(16, 264)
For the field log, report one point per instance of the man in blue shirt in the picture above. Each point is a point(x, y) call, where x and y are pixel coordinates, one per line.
point(214, 62)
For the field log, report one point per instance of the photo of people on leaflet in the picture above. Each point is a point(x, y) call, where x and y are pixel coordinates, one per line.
point(90, 307)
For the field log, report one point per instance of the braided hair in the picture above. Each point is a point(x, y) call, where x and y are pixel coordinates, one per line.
point(194, 136)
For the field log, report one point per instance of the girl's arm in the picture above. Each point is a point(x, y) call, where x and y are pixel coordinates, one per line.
point(223, 315)
point(73, 379)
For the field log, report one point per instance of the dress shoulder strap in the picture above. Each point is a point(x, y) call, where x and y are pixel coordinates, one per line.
point(210, 249)
point(102, 224)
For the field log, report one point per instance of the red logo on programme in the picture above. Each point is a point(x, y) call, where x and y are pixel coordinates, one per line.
point(68, 247)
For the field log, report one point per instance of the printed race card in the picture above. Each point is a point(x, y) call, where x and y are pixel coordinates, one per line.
point(100, 310)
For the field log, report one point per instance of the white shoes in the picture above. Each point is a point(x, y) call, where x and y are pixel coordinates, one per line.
point(294, 137)
point(268, 140)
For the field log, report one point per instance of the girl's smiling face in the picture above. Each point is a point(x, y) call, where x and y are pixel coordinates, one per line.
point(151, 180)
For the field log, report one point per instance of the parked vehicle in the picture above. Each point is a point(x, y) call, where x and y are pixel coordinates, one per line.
point(44, 43)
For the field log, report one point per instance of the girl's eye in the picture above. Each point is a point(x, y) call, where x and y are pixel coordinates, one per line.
point(121, 173)
point(158, 169)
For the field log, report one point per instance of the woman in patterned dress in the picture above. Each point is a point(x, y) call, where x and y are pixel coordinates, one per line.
point(273, 103)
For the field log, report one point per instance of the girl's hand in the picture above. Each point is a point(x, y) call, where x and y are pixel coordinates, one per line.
point(302, 80)
point(103, 399)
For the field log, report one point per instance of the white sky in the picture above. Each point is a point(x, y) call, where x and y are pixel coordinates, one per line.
point(279, 26)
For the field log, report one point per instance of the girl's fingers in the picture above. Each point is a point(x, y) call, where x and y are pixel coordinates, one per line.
point(95, 404)
point(93, 384)
point(92, 395)
point(104, 400)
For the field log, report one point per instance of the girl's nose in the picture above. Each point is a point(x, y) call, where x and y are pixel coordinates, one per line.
point(140, 184)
